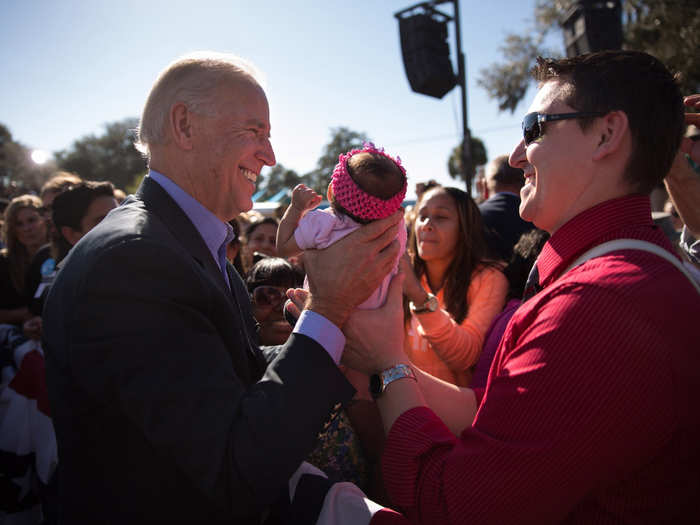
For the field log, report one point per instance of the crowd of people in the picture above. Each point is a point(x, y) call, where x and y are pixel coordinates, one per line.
point(527, 356)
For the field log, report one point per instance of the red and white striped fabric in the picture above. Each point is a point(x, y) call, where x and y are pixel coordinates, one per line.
point(343, 503)
point(27, 438)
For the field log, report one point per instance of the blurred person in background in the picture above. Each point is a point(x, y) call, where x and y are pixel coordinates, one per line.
point(499, 212)
point(75, 212)
point(683, 182)
point(43, 263)
point(55, 185)
point(233, 249)
point(524, 255)
point(260, 238)
point(454, 290)
point(24, 232)
point(78, 210)
point(268, 281)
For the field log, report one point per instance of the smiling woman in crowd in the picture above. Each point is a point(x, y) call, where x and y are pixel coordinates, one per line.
point(24, 232)
point(267, 281)
point(453, 291)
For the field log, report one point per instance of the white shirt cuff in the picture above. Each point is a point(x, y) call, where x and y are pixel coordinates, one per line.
point(322, 331)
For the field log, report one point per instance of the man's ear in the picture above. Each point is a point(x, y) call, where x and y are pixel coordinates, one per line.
point(181, 125)
point(611, 132)
point(71, 235)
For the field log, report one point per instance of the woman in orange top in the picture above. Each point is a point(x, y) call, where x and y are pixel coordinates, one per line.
point(453, 292)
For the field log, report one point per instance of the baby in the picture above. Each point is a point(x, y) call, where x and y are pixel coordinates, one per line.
point(367, 185)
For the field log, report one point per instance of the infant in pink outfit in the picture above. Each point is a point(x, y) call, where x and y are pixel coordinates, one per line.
point(367, 185)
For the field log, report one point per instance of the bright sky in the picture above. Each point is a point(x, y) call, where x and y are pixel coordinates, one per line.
point(71, 66)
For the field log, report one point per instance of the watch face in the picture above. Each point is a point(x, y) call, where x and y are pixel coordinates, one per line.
point(432, 303)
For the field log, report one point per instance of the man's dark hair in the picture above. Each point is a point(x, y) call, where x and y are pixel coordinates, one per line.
point(504, 174)
point(273, 271)
point(637, 84)
point(69, 208)
point(59, 182)
point(72, 204)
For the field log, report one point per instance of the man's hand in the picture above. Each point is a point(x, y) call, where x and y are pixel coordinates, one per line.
point(347, 272)
point(688, 146)
point(304, 198)
point(682, 183)
point(374, 338)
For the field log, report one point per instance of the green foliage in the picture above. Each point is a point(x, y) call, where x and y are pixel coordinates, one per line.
point(667, 29)
point(278, 178)
point(342, 140)
point(479, 156)
point(16, 166)
point(110, 156)
point(508, 81)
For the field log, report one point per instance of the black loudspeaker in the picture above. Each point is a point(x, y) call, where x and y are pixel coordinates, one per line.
point(426, 55)
point(593, 25)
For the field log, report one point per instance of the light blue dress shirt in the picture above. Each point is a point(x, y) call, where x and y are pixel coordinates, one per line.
point(217, 235)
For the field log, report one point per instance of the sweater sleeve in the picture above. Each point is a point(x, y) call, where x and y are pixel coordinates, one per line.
point(565, 413)
point(459, 345)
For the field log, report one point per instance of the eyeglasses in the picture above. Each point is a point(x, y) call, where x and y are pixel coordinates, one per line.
point(532, 123)
point(269, 296)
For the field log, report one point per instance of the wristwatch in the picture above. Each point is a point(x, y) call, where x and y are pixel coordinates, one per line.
point(430, 305)
point(379, 382)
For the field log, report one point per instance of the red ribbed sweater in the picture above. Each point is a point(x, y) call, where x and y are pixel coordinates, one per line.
point(591, 412)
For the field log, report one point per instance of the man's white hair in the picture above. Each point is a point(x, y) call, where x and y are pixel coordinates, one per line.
point(191, 79)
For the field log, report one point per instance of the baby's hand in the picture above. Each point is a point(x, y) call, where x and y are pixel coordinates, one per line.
point(304, 198)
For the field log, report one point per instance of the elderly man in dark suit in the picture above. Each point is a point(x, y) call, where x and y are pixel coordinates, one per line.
point(165, 408)
point(502, 223)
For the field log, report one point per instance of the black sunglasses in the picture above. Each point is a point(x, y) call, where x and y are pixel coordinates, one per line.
point(268, 296)
point(532, 123)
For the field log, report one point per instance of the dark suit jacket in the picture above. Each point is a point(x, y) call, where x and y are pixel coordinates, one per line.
point(502, 224)
point(165, 409)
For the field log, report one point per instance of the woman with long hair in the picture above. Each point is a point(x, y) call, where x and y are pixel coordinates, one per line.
point(24, 232)
point(453, 292)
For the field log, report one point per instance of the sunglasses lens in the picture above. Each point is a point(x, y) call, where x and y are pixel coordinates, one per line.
point(267, 296)
point(531, 128)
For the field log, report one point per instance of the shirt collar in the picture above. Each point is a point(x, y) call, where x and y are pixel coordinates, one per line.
point(590, 227)
point(216, 234)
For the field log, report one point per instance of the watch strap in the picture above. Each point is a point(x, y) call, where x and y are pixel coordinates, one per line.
point(430, 305)
point(379, 382)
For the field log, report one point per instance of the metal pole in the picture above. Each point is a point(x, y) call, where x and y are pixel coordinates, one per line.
point(466, 135)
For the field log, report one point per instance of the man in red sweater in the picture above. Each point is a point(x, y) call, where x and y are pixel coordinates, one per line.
point(590, 413)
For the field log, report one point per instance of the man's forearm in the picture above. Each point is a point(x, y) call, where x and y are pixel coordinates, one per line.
point(454, 405)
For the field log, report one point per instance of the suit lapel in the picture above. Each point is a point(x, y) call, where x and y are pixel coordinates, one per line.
point(158, 202)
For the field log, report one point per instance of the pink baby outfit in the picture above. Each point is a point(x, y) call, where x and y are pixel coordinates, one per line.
point(320, 228)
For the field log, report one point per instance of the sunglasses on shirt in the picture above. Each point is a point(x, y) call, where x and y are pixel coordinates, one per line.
point(268, 296)
point(532, 123)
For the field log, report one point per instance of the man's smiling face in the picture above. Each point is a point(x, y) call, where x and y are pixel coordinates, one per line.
point(232, 144)
point(558, 171)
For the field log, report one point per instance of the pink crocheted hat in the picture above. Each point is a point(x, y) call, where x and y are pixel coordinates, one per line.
point(357, 201)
